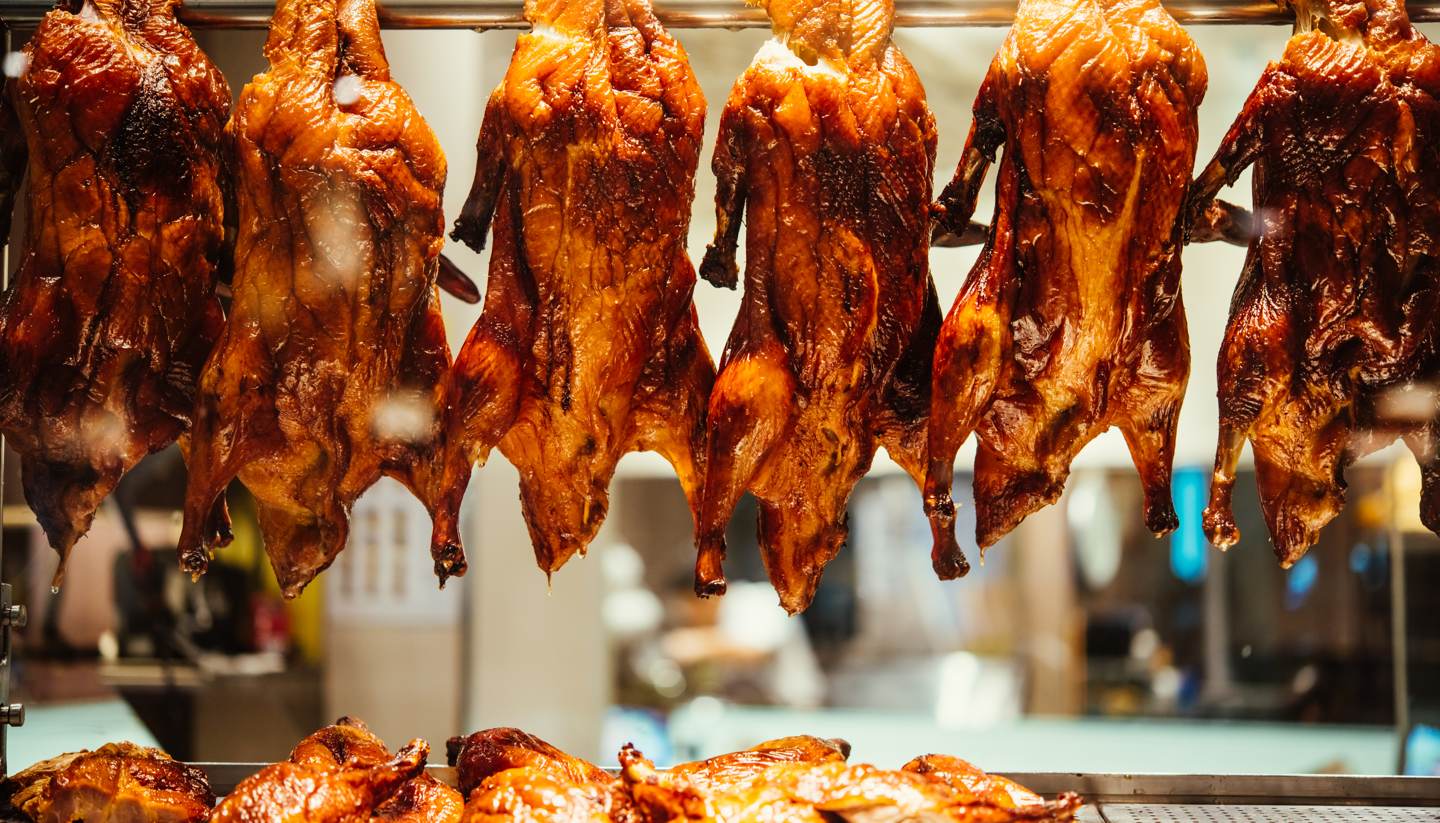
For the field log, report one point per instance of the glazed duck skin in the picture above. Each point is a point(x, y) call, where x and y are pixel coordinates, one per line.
point(1335, 315)
point(828, 143)
point(588, 345)
point(330, 368)
point(118, 122)
point(1071, 321)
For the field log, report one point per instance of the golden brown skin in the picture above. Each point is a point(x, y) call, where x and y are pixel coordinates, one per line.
point(829, 144)
point(329, 370)
point(1335, 314)
point(117, 783)
point(807, 779)
point(1071, 321)
point(509, 775)
point(989, 797)
point(113, 309)
point(422, 800)
point(588, 346)
point(513, 776)
point(340, 774)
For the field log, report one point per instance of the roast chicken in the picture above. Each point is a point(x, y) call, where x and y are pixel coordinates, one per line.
point(329, 371)
point(342, 774)
point(828, 143)
point(1330, 351)
point(1071, 320)
point(987, 797)
point(588, 346)
point(807, 779)
point(509, 775)
point(424, 799)
point(513, 776)
point(117, 119)
point(119, 782)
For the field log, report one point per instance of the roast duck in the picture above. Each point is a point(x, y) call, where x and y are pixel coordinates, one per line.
point(1330, 351)
point(116, 118)
point(332, 369)
point(588, 346)
point(329, 371)
point(827, 145)
point(1071, 320)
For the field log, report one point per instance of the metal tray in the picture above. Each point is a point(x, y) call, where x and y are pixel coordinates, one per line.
point(1165, 798)
point(1170, 798)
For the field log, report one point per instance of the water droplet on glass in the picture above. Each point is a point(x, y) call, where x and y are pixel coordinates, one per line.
point(16, 62)
point(347, 90)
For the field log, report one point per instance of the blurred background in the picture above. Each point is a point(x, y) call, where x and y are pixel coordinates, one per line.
point(1081, 644)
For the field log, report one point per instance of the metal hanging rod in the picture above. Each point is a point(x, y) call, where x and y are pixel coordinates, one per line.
point(698, 14)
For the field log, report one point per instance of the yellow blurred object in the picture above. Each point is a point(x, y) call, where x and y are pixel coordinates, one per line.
point(1404, 484)
point(1372, 510)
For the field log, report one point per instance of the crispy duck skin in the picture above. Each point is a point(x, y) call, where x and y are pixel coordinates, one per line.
point(509, 775)
point(807, 779)
point(119, 783)
point(588, 346)
point(330, 368)
point(828, 142)
point(1335, 314)
point(1071, 321)
point(340, 774)
point(118, 122)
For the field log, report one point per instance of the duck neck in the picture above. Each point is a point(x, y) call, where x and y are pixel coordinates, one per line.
point(844, 31)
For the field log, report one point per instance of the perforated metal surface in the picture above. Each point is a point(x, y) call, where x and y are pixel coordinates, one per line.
point(1154, 813)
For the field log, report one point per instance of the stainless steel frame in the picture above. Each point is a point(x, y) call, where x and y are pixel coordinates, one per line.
point(12, 615)
point(731, 14)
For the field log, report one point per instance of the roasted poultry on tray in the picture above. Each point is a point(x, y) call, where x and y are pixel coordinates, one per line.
point(329, 370)
point(588, 346)
point(828, 145)
point(342, 774)
point(119, 782)
point(512, 776)
point(508, 775)
point(117, 121)
point(1071, 320)
point(1330, 351)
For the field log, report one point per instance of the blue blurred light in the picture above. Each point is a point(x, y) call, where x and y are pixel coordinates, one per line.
point(1360, 557)
point(1300, 581)
point(1189, 550)
point(1422, 752)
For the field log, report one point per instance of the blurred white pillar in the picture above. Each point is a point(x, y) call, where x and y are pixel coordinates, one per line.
point(537, 658)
